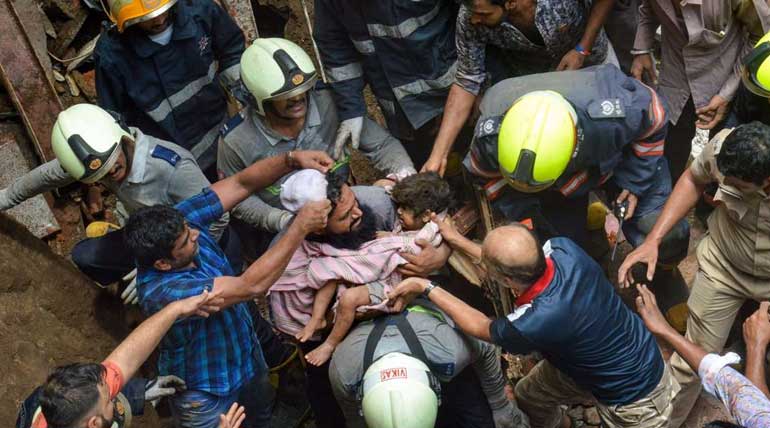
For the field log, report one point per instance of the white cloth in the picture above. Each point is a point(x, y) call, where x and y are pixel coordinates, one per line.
point(713, 363)
point(164, 37)
point(307, 185)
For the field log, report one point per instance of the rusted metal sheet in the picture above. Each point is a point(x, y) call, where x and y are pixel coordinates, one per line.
point(243, 14)
point(26, 82)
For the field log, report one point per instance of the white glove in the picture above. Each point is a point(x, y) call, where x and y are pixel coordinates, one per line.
point(348, 129)
point(129, 295)
point(162, 386)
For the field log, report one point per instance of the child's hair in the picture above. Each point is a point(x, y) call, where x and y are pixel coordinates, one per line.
point(423, 192)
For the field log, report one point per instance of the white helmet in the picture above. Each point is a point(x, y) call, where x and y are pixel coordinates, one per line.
point(86, 141)
point(399, 391)
point(276, 69)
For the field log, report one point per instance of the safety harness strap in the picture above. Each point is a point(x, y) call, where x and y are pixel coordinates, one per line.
point(407, 332)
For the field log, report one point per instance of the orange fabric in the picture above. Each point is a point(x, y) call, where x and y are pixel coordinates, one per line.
point(113, 378)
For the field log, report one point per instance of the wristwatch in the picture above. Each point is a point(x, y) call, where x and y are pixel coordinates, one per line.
point(428, 289)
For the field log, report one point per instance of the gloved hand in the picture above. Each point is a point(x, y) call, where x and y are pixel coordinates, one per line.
point(129, 295)
point(162, 386)
point(348, 129)
point(5, 203)
point(509, 416)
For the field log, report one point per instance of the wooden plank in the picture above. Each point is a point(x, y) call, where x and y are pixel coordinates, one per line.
point(26, 82)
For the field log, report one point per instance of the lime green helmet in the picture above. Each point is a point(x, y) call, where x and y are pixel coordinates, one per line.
point(86, 141)
point(755, 70)
point(536, 140)
point(276, 69)
point(399, 391)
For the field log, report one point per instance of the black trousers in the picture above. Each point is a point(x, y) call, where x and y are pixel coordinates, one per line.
point(463, 403)
point(106, 259)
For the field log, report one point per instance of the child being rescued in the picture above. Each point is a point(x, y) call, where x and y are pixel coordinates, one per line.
point(360, 278)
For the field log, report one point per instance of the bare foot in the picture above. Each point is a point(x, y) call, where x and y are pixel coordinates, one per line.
point(310, 328)
point(321, 354)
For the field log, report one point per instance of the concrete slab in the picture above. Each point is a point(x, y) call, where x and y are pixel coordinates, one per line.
point(33, 213)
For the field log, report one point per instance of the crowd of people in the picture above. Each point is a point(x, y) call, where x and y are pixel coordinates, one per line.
point(546, 102)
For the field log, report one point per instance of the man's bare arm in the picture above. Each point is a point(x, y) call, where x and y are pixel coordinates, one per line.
point(262, 274)
point(234, 189)
point(137, 347)
point(679, 203)
point(459, 105)
point(471, 321)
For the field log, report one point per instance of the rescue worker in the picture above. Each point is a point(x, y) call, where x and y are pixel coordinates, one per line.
point(283, 113)
point(733, 258)
point(220, 358)
point(751, 100)
point(84, 395)
point(595, 348)
point(162, 66)
point(132, 397)
point(527, 37)
point(416, 370)
point(544, 141)
point(405, 51)
point(701, 44)
point(91, 145)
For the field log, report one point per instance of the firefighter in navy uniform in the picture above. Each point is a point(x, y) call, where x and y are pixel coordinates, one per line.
point(544, 141)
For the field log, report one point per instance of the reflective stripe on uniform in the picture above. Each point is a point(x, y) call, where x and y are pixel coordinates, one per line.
point(159, 113)
point(365, 47)
point(421, 86)
point(208, 139)
point(649, 149)
point(657, 113)
point(574, 183)
point(494, 187)
point(477, 170)
point(406, 28)
point(346, 72)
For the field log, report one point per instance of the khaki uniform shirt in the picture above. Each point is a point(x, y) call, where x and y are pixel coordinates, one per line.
point(162, 173)
point(701, 50)
point(740, 225)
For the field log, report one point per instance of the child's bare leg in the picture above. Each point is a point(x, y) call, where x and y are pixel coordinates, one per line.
point(346, 313)
point(321, 302)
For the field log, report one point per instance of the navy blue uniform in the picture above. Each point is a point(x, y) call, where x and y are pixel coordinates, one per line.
point(405, 51)
point(621, 128)
point(172, 91)
point(581, 326)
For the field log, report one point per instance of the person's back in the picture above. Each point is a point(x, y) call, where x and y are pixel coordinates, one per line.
point(582, 327)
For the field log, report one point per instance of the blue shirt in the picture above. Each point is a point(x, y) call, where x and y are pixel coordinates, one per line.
point(581, 326)
point(216, 354)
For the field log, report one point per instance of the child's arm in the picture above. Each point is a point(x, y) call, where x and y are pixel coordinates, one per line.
point(321, 302)
point(346, 313)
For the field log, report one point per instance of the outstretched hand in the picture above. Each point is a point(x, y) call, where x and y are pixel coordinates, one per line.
point(647, 253)
point(312, 217)
point(648, 309)
point(313, 159)
point(234, 417)
point(406, 291)
point(756, 329)
point(202, 305)
point(427, 261)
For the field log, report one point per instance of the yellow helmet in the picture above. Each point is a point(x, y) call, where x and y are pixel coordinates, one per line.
point(755, 70)
point(125, 13)
point(536, 140)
